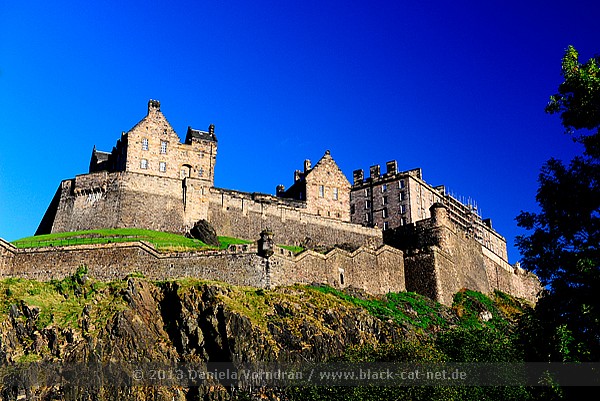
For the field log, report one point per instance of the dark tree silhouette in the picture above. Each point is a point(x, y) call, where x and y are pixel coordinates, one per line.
point(563, 246)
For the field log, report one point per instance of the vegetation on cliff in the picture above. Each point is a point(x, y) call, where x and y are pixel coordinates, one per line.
point(76, 321)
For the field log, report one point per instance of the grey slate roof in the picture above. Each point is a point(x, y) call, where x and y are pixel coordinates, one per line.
point(200, 135)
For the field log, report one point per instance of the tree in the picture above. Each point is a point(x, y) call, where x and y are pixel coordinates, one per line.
point(578, 99)
point(563, 247)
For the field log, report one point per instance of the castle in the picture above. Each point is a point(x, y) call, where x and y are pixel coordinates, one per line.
point(397, 232)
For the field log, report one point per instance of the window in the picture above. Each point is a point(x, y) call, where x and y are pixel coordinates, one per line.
point(367, 193)
point(384, 188)
point(144, 164)
point(162, 167)
point(402, 209)
point(201, 172)
point(163, 147)
point(321, 191)
point(384, 200)
point(144, 144)
point(401, 184)
point(351, 209)
point(386, 225)
point(403, 221)
point(341, 278)
point(367, 204)
point(384, 213)
point(335, 193)
point(402, 195)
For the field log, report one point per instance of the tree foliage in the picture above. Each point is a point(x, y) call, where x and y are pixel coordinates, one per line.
point(578, 99)
point(563, 246)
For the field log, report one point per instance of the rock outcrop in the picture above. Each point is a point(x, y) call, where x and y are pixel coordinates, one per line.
point(101, 335)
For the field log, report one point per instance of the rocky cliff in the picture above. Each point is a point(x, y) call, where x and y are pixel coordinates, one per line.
point(80, 339)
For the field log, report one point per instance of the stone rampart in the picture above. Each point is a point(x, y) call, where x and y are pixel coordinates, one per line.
point(125, 199)
point(509, 279)
point(7, 253)
point(133, 200)
point(377, 271)
point(242, 215)
point(441, 259)
point(374, 270)
point(116, 261)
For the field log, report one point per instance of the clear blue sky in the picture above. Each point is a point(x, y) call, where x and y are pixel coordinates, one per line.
point(456, 88)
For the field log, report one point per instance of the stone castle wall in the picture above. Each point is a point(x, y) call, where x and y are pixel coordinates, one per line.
point(124, 199)
point(511, 280)
point(133, 200)
point(375, 270)
point(242, 215)
point(440, 260)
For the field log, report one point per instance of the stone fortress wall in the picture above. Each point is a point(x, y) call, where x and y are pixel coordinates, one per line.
point(375, 270)
point(440, 259)
point(242, 215)
point(125, 199)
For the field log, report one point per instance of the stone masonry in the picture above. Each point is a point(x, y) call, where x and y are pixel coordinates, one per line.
point(440, 260)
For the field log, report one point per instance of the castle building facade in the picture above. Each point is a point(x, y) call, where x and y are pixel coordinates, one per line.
point(324, 188)
point(396, 199)
point(152, 147)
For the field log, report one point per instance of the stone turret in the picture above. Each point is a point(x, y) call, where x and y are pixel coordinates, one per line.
point(440, 224)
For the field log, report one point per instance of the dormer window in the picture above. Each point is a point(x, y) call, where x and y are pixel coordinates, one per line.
point(144, 143)
point(163, 147)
